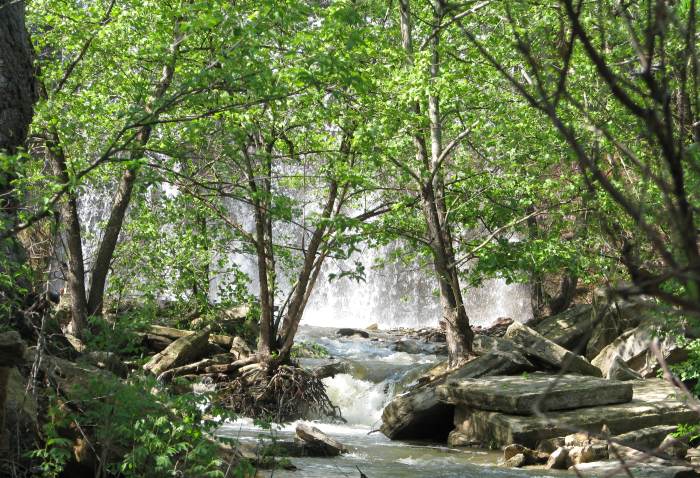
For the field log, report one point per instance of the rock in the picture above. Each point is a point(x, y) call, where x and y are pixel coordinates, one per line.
point(655, 402)
point(580, 439)
point(521, 395)
point(693, 456)
point(558, 460)
point(418, 413)
point(12, 349)
point(638, 470)
point(619, 370)
point(352, 332)
point(483, 344)
point(457, 438)
point(107, 361)
point(372, 328)
point(632, 347)
point(240, 349)
point(315, 439)
point(588, 453)
point(548, 352)
point(332, 369)
point(408, 346)
point(645, 438)
point(673, 447)
point(182, 351)
point(618, 318)
point(570, 329)
point(550, 444)
point(532, 457)
point(516, 461)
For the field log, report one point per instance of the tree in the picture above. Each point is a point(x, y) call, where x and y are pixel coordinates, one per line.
point(646, 170)
point(17, 96)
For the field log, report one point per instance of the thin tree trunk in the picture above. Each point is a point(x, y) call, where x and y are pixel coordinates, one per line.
point(68, 211)
point(125, 189)
point(458, 333)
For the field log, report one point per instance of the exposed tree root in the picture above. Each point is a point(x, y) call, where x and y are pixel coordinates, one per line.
point(285, 394)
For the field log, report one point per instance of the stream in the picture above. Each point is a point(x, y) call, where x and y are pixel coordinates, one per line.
point(378, 372)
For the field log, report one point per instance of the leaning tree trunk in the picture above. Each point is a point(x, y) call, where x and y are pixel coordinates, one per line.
point(17, 96)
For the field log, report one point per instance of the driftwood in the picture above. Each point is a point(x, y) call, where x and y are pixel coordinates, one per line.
point(224, 341)
point(181, 352)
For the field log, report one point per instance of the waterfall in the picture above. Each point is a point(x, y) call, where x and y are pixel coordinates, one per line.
point(405, 296)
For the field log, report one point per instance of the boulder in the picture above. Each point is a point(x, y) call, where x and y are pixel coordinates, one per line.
point(619, 370)
point(12, 349)
point(588, 453)
point(618, 318)
point(532, 457)
point(316, 440)
point(332, 369)
point(372, 328)
point(239, 349)
point(181, 352)
point(408, 346)
point(107, 361)
point(419, 413)
point(522, 395)
point(693, 456)
point(224, 341)
point(673, 447)
point(549, 352)
point(516, 461)
point(645, 438)
point(346, 332)
point(558, 460)
point(570, 329)
point(458, 438)
point(655, 402)
point(632, 347)
point(637, 470)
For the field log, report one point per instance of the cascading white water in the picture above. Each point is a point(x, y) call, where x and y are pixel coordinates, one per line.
point(405, 296)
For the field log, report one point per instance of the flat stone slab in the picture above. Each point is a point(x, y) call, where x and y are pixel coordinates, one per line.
point(520, 395)
point(655, 403)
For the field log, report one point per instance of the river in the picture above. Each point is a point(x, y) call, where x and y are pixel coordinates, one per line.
point(377, 373)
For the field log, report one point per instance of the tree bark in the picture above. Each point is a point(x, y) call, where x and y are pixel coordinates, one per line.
point(68, 211)
point(17, 97)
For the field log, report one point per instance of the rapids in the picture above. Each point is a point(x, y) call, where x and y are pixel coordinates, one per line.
point(377, 372)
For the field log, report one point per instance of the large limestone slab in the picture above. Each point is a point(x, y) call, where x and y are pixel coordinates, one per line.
point(571, 329)
point(655, 402)
point(521, 395)
point(419, 413)
point(548, 352)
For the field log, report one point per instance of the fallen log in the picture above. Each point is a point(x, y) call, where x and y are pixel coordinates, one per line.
point(224, 341)
point(181, 352)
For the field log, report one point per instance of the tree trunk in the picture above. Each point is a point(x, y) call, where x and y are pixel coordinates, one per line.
point(17, 96)
point(122, 199)
point(68, 210)
point(459, 334)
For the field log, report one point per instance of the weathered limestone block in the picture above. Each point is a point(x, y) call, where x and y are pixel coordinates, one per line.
point(673, 447)
point(523, 395)
point(645, 438)
point(419, 413)
point(638, 470)
point(617, 319)
point(516, 461)
point(224, 341)
point(632, 347)
point(619, 370)
point(587, 453)
point(570, 329)
point(315, 439)
point(182, 351)
point(655, 402)
point(549, 352)
point(532, 457)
